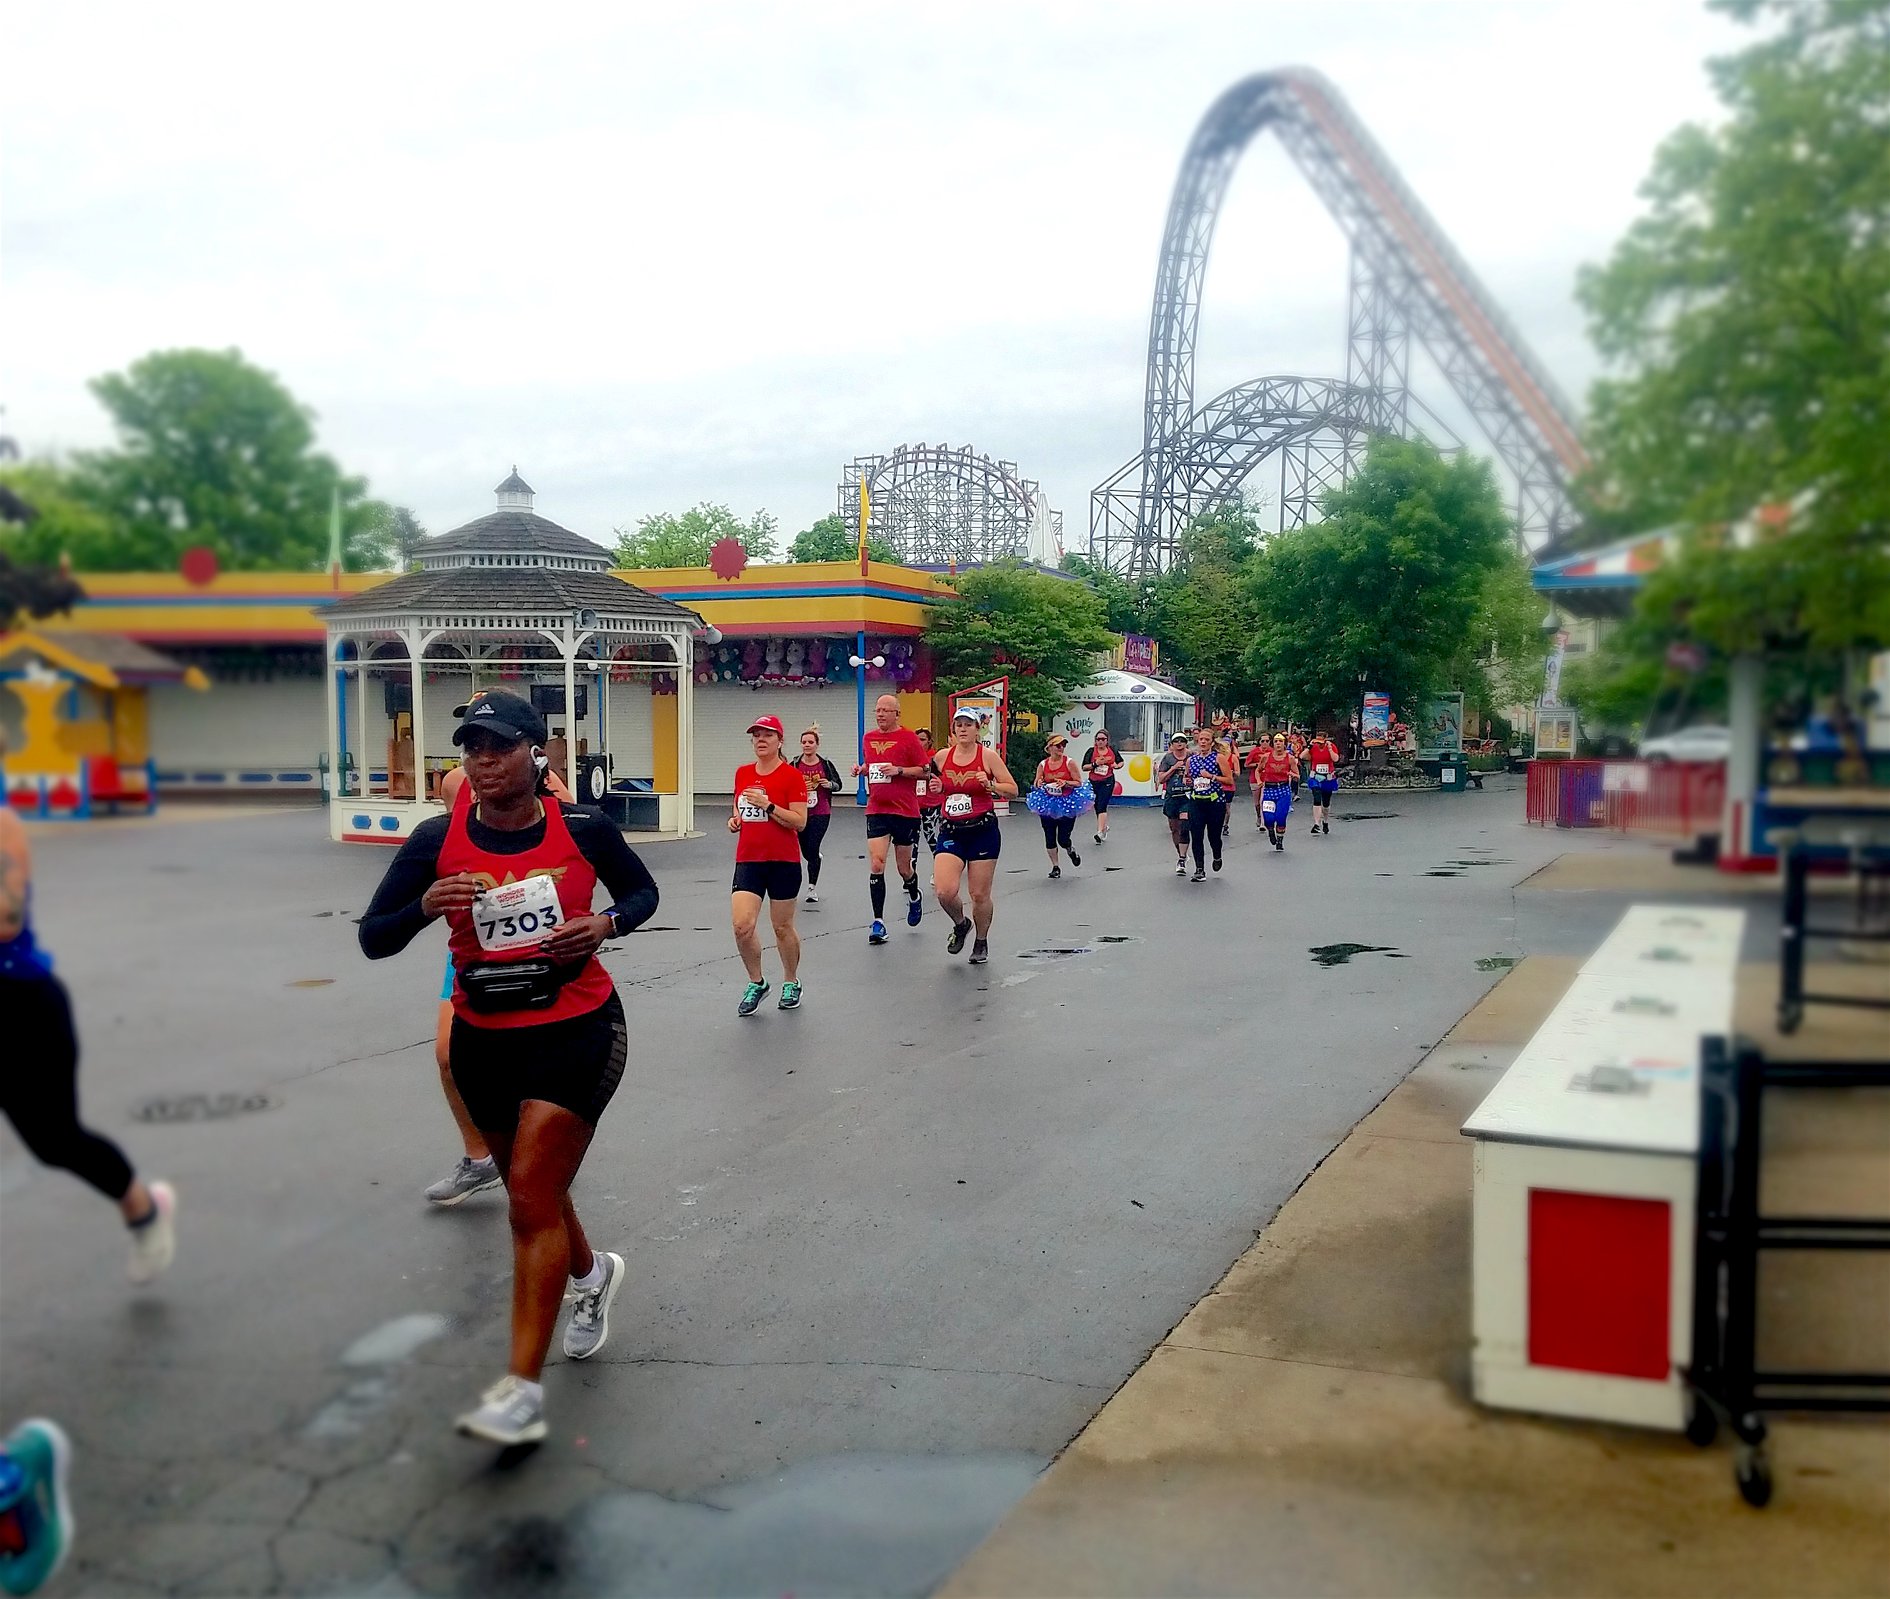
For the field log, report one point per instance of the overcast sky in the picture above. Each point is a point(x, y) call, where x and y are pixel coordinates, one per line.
point(666, 254)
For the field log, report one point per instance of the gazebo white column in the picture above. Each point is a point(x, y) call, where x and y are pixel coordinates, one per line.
point(416, 647)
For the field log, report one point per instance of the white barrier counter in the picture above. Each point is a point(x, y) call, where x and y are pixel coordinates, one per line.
point(1585, 1178)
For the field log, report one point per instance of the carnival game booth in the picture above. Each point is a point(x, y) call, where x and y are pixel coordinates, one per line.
point(1139, 713)
point(75, 712)
point(511, 600)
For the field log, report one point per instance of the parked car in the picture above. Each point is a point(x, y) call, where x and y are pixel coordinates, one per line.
point(1702, 743)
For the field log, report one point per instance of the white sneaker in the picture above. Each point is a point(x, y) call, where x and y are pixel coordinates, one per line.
point(469, 1177)
point(590, 1314)
point(154, 1244)
point(509, 1413)
point(812, 897)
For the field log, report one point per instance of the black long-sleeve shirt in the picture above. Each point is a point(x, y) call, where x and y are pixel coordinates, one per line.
point(395, 916)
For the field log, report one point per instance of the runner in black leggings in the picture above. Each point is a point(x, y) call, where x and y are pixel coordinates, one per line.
point(823, 782)
point(39, 1073)
point(1210, 776)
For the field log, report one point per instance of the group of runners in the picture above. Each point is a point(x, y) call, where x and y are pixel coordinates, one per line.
point(531, 1040)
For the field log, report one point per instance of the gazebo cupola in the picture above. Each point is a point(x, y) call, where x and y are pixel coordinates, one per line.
point(515, 494)
point(510, 599)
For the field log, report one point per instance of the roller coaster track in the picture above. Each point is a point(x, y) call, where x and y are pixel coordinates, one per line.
point(1408, 282)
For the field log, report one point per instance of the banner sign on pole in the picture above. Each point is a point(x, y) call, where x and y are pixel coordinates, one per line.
point(1441, 732)
point(1552, 673)
point(1138, 654)
point(1375, 721)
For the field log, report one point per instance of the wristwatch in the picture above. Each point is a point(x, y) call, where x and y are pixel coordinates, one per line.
point(617, 929)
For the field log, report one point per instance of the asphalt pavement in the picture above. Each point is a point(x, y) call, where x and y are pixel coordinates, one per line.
point(887, 1254)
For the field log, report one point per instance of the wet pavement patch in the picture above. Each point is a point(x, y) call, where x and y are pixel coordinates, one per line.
point(201, 1107)
point(1497, 963)
point(1443, 874)
point(1056, 953)
point(1339, 954)
point(1366, 816)
point(1114, 938)
point(1480, 863)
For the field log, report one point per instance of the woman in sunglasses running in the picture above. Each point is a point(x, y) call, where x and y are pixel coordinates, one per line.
point(1210, 772)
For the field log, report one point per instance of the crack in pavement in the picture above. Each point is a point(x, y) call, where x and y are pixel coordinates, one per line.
point(879, 1365)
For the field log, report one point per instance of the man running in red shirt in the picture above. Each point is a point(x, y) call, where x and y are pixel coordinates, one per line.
point(770, 811)
point(894, 762)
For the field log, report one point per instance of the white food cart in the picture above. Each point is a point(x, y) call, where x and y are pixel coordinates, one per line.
point(1138, 713)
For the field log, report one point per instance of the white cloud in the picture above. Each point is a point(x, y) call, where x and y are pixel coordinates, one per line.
point(654, 258)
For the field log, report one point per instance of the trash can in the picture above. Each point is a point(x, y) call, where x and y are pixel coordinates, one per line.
point(1453, 776)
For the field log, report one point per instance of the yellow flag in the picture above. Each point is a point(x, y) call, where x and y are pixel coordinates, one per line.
point(866, 509)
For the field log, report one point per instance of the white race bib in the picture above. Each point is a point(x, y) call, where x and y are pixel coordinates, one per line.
point(957, 804)
point(1203, 784)
point(1322, 770)
point(751, 813)
point(1267, 806)
point(517, 915)
point(879, 772)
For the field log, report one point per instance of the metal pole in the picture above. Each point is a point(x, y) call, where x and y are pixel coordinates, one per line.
point(859, 692)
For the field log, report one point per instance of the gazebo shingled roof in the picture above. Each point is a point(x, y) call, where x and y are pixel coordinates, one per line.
point(483, 589)
point(520, 531)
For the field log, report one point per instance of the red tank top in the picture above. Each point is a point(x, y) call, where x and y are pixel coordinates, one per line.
point(1059, 771)
point(964, 798)
point(555, 857)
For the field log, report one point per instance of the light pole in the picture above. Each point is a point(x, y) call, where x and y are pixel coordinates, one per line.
point(859, 661)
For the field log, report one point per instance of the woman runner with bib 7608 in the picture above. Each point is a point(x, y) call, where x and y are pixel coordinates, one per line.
point(539, 1040)
point(969, 774)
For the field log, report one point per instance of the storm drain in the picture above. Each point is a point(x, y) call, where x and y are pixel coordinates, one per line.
point(202, 1107)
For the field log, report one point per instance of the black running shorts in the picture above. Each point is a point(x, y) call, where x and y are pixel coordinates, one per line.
point(575, 1063)
point(900, 829)
point(981, 841)
point(768, 879)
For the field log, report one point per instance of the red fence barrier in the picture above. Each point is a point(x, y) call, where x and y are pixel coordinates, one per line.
point(1678, 798)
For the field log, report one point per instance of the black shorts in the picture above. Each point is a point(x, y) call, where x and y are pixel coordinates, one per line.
point(575, 1063)
point(768, 879)
point(981, 840)
point(902, 830)
point(1104, 792)
point(1175, 807)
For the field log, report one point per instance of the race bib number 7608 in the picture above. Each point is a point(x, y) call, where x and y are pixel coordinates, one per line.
point(517, 915)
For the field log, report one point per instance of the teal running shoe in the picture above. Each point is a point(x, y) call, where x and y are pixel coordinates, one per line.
point(35, 1510)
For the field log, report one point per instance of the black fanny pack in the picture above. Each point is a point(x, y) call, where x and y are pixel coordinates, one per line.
point(494, 986)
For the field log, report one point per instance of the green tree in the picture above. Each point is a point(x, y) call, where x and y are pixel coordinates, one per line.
point(1046, 633)
point(834, 538)
point(1746, 318)
point(61, 522)
point(1125, 605)
point(1203, 611)
point(1499, 659)
point(213, 451)
point(1390, 590)
point(669, 539)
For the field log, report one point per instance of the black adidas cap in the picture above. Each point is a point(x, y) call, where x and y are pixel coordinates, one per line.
point(504, 715)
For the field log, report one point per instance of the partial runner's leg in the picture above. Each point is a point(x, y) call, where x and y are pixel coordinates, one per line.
point(947, 878)
point(470, 1137)
point(787, 939)
point(981, 874)
point(548, 1242)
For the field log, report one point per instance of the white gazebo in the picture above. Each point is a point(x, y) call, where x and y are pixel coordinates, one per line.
point(509, 601)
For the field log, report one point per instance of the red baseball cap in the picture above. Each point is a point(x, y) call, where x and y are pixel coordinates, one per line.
point(768, 724)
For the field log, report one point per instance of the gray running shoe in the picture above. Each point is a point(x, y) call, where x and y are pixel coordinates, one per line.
point(508, 1414)
point(154, 1242)
point(469, 1177)
point(589, 1326)
point(980, 953)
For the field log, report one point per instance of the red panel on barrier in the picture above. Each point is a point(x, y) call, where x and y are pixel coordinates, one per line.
point(1599, 1283)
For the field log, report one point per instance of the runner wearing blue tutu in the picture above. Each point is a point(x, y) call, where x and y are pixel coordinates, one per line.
point(1322, 760)
point(1275, 772)
point(1057, 797)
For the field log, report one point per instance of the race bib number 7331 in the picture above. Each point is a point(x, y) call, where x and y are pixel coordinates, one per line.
point(517, 915)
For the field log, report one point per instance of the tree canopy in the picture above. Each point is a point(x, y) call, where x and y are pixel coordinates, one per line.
point(1746, 318)
point(1410, 579)
point(668, 538)
point(1125, 605)
point(834, 538)
point(1203, 612)
point(1045, 632)
point(216, 452)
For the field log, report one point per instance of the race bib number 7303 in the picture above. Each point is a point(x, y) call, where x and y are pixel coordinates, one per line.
point(517, 915)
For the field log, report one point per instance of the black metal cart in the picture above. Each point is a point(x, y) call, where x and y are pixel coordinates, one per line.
point(1732, 1234)
point(1831, 825)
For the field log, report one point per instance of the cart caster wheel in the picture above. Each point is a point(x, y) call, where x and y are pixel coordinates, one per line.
point(1753, 1472)
point(1702, 1424)
point(1789, 1016)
